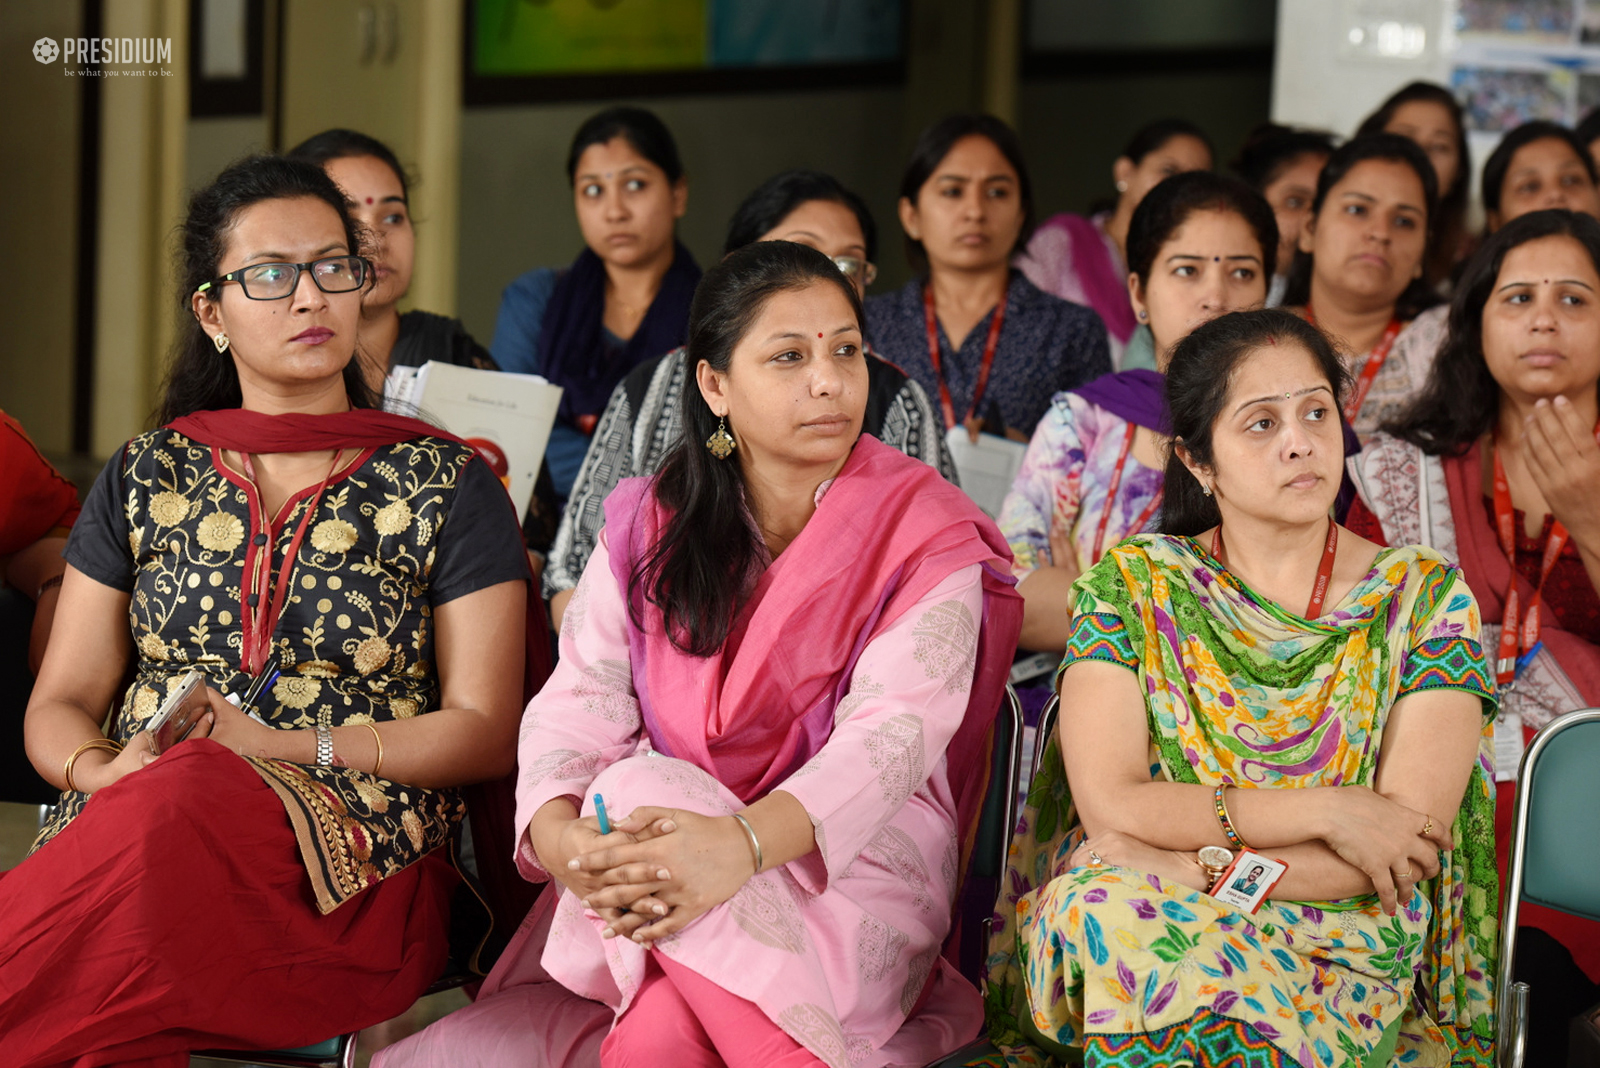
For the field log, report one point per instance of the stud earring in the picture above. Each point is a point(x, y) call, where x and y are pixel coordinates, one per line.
point(1122, 187)
point(1143, 315)
point(221, 342)
point(721, 444)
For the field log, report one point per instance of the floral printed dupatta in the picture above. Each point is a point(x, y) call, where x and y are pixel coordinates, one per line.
point(1120, 967)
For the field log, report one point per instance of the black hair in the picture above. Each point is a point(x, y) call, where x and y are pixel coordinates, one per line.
point(1153, 135)
point(700, 569)
point(1458, 403)
point(1198, 379)
point(778, 196)
point(639, 127)
point(935, 143)
point(1588, 131)
point(1449, 221)
point(1499, 161)
point(1169, 205)
point(1418, 296)
point(340, 143)
point(200, 379)
point(1270, 149)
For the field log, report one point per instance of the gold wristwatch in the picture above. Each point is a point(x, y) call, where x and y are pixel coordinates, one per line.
point(1214, 860)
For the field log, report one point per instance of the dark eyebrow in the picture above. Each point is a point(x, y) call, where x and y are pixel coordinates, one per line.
point(1276, 397)
point(969, 178)
point(1198, 256)
point(284, 257)
point(1559, 282)
point(396, 198)
point(620, 170)
point(785, 335)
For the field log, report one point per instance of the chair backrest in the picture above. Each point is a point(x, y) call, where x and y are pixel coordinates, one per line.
point(1046, 728)
point(992, 840)
point(1561, 779)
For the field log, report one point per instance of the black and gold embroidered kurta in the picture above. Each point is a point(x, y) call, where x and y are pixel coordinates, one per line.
point(407, 527)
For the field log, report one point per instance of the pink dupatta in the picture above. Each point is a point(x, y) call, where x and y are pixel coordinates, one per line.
point(889, 529)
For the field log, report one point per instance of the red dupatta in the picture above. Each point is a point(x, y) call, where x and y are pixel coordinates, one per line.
point(887, 531)
point(491, 805)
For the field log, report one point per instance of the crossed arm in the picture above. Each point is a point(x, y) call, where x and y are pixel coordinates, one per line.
point(1339, 842)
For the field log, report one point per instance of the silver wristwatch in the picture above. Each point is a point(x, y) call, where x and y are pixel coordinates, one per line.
point(324, 747)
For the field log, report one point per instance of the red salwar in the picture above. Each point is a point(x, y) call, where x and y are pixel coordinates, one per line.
point(175, 914)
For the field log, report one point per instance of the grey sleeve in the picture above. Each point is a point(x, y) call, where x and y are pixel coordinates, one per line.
point(608, 461)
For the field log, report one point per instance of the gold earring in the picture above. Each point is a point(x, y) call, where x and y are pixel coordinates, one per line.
point(221, 342)
point(721, 444)
point(1205, 488)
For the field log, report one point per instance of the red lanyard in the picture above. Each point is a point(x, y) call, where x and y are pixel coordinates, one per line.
point(1111, 496)
point(259, 614)
point(1319, 589)
point(1374, 364)
point(1519, 635)
point(938, 364)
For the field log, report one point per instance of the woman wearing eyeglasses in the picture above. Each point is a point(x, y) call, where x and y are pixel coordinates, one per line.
point(625, 299)
point(644, 417)
point(275, 877)
point(371, 176)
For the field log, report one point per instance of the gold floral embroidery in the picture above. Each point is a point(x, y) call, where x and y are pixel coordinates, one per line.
point(220, 532)
point(333, 536)
point(152, 646)
point(296, 692)
point(370, 655)
point(168, 508)
point(393, 518)
point(403, 707)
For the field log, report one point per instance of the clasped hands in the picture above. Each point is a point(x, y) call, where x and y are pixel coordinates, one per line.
point(656, 872)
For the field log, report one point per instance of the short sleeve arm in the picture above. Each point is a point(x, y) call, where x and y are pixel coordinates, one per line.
point(908, 696)
point(1446, 639)
point(587, 716)
point(1099, 631)
point(479, 544)
point(608, 461)
point(99, 545)
point(516, 330)
point(1051, 470)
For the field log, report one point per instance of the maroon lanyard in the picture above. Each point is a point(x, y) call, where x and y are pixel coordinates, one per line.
point(938, 364)
point(1319, 590)
point(1111, 496)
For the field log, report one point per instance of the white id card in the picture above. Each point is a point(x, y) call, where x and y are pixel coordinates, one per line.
point(1508, 745)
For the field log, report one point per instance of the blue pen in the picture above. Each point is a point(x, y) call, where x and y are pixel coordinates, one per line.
point(600, 812)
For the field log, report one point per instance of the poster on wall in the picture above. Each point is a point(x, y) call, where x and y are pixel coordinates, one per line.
point(541, 42)
point(1518, 60)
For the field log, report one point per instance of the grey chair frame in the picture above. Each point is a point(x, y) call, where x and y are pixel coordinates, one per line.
point(1511, 1040)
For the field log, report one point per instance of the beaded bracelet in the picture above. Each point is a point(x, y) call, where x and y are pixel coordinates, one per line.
point(1223, 819)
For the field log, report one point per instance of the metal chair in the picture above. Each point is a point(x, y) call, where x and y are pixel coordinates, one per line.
point(1558, 802)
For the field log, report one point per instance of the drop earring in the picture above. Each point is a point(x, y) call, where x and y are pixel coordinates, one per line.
point(221, 342)
point(721, 444)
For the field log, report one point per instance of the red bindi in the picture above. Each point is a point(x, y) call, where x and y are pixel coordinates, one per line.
point(1272, 341)
point(819, 333)
point(369, 200)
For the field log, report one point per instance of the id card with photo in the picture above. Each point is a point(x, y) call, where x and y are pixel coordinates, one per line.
point(1248, 881)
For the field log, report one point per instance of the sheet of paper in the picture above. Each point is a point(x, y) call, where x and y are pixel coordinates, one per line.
point(987, 468)
point(1508, 746)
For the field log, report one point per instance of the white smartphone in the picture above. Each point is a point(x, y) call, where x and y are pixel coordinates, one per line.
point(179, 712)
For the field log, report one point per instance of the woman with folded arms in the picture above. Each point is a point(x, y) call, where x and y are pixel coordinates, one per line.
point(1200, 245)
point(1358, 276)
point(281, 876)
point(777, 675)
point(1257, 687)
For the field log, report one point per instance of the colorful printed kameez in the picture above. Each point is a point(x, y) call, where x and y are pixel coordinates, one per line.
point(1112, 964)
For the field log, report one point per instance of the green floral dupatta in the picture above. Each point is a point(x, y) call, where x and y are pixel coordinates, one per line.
point(1239, 691)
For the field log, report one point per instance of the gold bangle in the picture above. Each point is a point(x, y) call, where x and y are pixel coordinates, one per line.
point(377, 767)
point(93, 743)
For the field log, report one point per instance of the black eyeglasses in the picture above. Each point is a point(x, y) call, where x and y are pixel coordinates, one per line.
point(274, 281)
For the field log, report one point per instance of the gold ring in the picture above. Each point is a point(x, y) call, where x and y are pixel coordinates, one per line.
point(1427, 828)
point(1094, 859)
